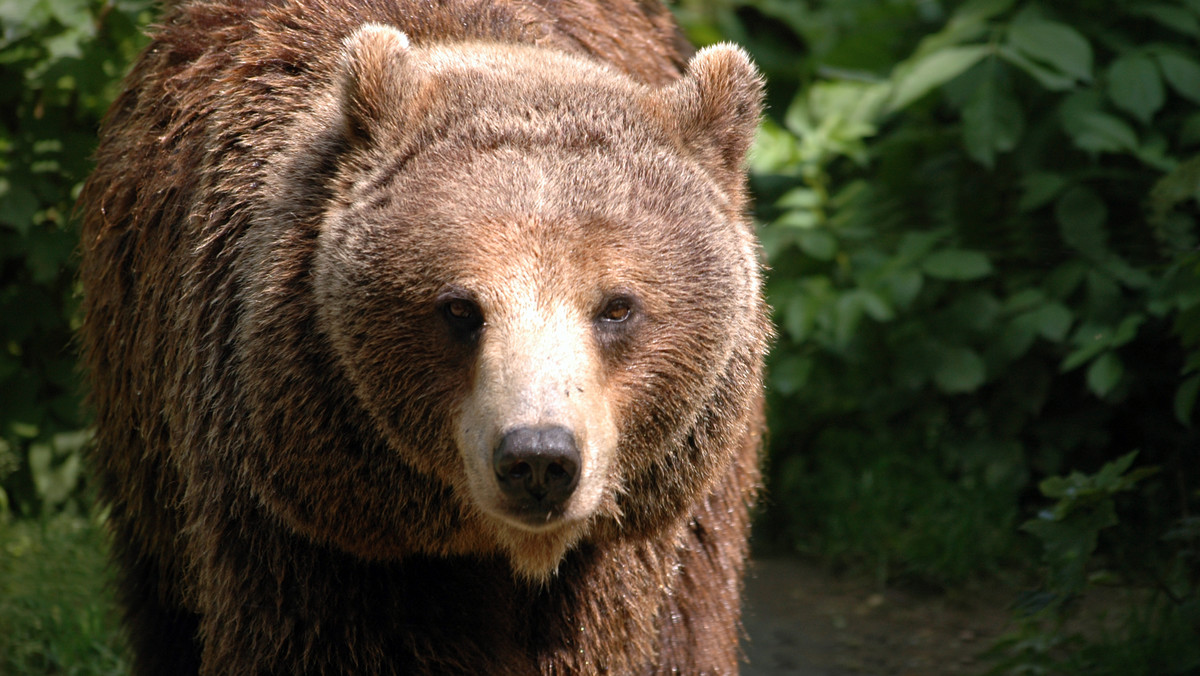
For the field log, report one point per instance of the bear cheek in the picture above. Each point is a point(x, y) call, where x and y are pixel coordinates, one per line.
point(537, 406)
point(400, 366)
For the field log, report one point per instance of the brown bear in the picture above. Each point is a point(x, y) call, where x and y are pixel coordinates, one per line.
point(426, 338)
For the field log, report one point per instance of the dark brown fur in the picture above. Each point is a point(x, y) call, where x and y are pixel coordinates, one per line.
point(276, 404)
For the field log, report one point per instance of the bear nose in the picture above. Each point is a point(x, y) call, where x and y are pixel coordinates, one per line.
point(537, 466)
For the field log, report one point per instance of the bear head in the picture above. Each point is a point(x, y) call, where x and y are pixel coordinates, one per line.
point(537, 279)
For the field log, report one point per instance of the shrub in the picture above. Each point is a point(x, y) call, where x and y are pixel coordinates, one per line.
point(983, 244)
point(59, 65)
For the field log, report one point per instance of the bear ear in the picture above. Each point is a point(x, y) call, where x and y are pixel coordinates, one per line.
point(714, 109)
point(374, 82)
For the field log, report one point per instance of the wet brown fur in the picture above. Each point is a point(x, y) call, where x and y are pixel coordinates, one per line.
point(276, 405)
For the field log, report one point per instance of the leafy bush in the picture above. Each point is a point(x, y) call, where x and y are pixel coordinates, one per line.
point(59, 65)
point(985, 271)
point(983, 244)
point(1158, 637)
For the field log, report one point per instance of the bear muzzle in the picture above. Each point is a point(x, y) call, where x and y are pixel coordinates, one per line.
point(537, 469)
point(537, 432)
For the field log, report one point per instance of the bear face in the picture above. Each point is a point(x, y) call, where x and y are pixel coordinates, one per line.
point(528, 278)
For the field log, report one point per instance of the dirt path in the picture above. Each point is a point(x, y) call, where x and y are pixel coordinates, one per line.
point(803, 622)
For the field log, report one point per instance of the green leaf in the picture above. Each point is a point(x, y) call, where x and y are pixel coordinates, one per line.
point(1050, 79)
point(47, 253)
point(17, 205)
point(848, 315)
point(959, 370)
point(917, 244)
point(967, 24)
point(799, 198)
point(1069, 542)
point(1179, 186)
point(1039, 188)
point(1185, 400)
point(1127, 330)
point(1025, 299)
point(1092, 129)
point(974, 311)
point(1192, 363)
point(1101, 132)
point(54, 481)
point(1108, 478)
point(1055, 44)
point(902, 286)
point(817, 243)
point(1175, 18)
point(21, 17)
point(1155, 153)
point(974, 11)
point(1091, 340)
point(1122, 271)
point(1015, 338)
point(1053, 321)
point(791, 374)
point(1103, 294)
point(798, 317)
point(73, 14)
point(1135, 86)
point(957, 264)
point(71, 442)
point(774, 149)
point(798, 218)
point(875, 306)
point(1081, 215)
point(775, 241)
point(992, 122)
point(914, 80)
point(844, 112)
point(1182, 73)
point(66, 45)
point(1104, 374)
point(1066, 278)
point(1189, 133)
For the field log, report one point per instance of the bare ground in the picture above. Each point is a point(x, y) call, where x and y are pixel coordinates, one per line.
point(803, 621)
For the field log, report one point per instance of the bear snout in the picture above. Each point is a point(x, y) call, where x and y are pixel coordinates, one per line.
point(537, 469)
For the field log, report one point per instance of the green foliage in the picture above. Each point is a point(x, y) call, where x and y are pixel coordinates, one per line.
point(1158, 637)
point(1070, 530)
point(56, 608)
point(980, 217)
point(59, 63)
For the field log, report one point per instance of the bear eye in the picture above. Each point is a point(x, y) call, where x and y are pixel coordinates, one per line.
point(616, 310)
point(462, 315)
point(460, 310)
point(616, 324)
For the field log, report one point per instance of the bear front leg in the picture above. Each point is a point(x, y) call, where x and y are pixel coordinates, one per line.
point(160, 630)
point(141, 492)
point(275, 602)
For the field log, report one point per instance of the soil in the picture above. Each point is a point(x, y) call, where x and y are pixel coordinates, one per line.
point(803, 621)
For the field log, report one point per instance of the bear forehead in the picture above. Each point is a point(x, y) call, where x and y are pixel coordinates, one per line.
point(489, 94)
point(524, 68)
point(507, 60)
point(594, 197)
point(584, 223)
